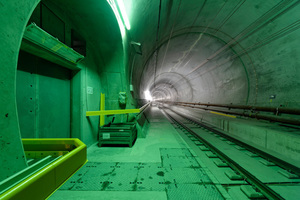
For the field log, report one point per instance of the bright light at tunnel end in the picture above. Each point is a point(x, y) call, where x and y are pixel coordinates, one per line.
point(148, 96)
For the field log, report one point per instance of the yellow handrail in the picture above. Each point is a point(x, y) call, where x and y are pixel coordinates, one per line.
point(43, 183)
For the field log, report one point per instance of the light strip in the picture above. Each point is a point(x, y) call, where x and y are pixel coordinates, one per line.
point(123, 13)
point(114, 7)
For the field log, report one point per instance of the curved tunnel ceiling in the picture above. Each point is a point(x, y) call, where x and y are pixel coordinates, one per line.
point(221, 51)
point(217, 51)
point(183, 64)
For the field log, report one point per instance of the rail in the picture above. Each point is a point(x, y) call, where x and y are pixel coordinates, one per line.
point(267, 191)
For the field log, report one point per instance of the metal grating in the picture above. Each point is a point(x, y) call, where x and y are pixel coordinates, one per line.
point(180, 161)
point(192, 192)
point(187, 175)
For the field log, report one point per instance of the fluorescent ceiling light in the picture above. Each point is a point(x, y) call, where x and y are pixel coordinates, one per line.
point(40, 43)
point(123, 13)
point(114, 7)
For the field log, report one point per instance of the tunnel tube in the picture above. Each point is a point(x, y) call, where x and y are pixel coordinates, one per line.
point(243, 53)
point(226, 63)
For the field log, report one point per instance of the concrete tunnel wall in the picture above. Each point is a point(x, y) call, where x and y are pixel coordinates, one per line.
point(241, 52)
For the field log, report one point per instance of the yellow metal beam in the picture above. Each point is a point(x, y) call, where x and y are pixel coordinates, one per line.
point(102, 112)
point(111, 112)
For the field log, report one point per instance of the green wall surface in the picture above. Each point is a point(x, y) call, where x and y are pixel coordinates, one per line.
point(14, 15)
point(43, 98)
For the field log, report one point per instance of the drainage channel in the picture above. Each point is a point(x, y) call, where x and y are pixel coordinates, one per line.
point(256, 187)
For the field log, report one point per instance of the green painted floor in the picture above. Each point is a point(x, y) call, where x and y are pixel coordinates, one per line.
point(159, 166)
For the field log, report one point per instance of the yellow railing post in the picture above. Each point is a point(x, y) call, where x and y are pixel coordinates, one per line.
point(102, 107)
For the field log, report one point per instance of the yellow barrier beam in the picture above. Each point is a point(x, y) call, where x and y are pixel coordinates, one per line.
point(102, 112)
point(111, 112)
point(217, 113)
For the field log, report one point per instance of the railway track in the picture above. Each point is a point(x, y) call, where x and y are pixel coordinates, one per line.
point(258, 175)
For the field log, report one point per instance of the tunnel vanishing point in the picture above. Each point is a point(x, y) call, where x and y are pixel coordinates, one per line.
point(193, 99)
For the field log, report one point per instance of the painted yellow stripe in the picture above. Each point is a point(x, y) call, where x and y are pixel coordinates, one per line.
point(111, 112)
point(217, 113)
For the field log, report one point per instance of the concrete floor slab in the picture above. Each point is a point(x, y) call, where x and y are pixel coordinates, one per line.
point(288, 192)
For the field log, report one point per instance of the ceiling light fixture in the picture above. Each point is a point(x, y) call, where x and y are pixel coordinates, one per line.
point(124, 14)
point(117, 14)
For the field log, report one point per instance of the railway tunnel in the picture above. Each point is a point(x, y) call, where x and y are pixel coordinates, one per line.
point(164, 99)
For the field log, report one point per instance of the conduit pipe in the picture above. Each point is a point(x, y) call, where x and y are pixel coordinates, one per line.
point(251, 115)
point(276, 110)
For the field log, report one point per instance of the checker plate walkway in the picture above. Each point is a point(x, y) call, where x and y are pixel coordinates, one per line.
point(179, 174)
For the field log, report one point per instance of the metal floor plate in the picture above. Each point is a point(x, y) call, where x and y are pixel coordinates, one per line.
point(192, 192)
point(179, 175)
point(187, 175)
